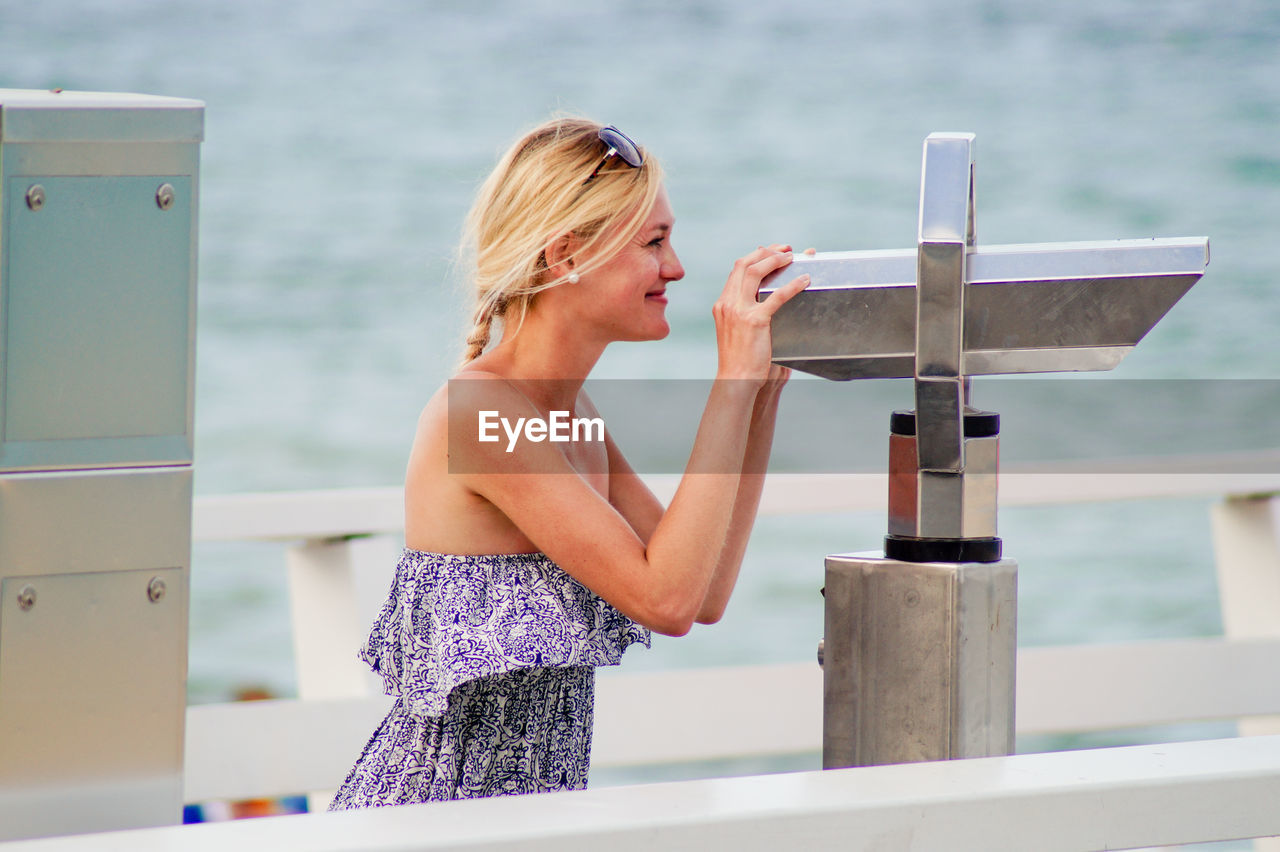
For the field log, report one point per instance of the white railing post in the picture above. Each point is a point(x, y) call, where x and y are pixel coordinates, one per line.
point(335, 589)
point(1246, 543)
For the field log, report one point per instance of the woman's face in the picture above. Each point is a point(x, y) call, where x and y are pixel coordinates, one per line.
point(628, 294)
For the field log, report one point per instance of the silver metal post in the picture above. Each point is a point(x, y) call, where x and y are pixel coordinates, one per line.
point(918, 660)
point(940, 273)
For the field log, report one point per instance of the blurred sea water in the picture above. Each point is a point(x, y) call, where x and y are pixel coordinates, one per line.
point(344, 141)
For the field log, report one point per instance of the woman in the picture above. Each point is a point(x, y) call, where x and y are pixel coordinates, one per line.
point(530, 561)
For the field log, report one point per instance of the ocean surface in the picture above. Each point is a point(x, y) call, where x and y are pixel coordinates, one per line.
point(344, 141)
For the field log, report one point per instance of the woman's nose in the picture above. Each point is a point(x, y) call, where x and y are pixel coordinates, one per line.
point(672, 269)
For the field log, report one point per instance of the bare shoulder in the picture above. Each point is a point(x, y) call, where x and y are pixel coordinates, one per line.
point(443, 510)
point(429, 457)
point(446, 427)
point(462, 397)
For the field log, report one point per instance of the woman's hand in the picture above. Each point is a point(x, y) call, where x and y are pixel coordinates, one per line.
point(778, 375)
point(743, 338)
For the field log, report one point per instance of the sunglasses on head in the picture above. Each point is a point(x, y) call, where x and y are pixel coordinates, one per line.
point(620, 145)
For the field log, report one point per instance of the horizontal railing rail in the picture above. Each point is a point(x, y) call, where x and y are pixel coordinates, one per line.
point(270, 748)
point(1114, 798)
point(336, 513)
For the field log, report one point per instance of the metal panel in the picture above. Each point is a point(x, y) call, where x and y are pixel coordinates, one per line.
point(94, 520)
point(946, 189)
point(935, 504)
point(96, 343)
point(940, 309)
point(92, 670)
point(939, 406)
point(919, 660)
point(41, 116)
point(982, 456)
point(77, 158)
point(1091, 302)
point(940, 512)
point(943, 236)
point(92, 689)
point(63, 659)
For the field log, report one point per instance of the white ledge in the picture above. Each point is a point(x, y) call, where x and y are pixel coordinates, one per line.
point(1100, 799)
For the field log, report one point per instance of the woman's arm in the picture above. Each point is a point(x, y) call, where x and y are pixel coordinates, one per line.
point(636, 502)
point(747, 503)
point(664, 582)
point(661, 583)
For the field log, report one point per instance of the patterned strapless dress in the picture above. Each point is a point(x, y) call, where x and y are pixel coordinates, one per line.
point(492, 659)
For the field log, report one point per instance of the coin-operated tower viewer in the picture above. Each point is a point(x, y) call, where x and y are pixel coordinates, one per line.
point(920, 641)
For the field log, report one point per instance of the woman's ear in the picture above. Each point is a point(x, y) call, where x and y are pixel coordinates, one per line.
point(562, 254)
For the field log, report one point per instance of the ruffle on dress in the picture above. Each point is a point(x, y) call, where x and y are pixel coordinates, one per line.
point(451, 619)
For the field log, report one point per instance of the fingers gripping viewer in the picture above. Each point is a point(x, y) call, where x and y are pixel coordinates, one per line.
point(534, 552)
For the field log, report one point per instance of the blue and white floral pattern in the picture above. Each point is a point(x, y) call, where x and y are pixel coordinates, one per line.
point(527, 731)
point(492, 659)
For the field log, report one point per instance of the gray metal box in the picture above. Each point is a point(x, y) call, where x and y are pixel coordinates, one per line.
point(97, 338)
point(93, 649)
point(97, 279)
point(918, 660)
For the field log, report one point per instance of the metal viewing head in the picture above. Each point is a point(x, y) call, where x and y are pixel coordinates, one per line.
point(949, 309)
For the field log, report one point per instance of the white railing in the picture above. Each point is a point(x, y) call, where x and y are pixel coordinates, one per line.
point(1118, 798)
point(267, 748)
point(344, 543)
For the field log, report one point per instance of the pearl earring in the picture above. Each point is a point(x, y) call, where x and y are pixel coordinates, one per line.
point(573, 278)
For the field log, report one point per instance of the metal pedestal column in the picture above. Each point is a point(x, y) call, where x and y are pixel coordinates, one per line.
point(919, 660)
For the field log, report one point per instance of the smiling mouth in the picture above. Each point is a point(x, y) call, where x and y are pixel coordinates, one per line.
point(656, 294)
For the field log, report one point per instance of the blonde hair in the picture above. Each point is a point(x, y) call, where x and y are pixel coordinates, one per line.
point(533, 196)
